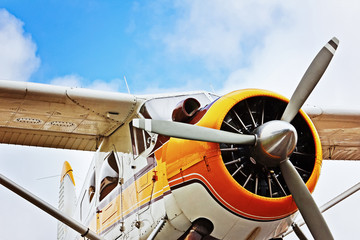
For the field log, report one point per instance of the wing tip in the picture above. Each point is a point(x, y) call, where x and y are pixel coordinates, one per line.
point(67, 170)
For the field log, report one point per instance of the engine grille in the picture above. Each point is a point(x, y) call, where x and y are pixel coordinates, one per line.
point(244, 118)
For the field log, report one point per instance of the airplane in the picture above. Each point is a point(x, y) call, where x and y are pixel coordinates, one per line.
point(185, 165)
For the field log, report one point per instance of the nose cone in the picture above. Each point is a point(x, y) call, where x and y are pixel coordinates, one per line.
point(276, 140)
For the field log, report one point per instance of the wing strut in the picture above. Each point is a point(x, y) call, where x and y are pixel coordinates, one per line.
point(80, 228)
point(330, 204)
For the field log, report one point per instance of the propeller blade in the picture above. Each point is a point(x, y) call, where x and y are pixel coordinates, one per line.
point(192, 132)
point(305, 203)
point(310, 79)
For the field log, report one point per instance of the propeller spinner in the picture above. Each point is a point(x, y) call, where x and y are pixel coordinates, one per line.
point(275, 142)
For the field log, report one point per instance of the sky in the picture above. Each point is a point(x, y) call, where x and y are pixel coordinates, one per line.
point(167, 46)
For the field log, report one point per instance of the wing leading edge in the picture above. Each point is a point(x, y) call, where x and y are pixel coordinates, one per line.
point(60, 117)
point(35, 114)
point(339, 132)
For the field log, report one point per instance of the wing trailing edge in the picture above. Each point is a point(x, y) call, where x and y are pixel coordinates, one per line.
point(339, 132)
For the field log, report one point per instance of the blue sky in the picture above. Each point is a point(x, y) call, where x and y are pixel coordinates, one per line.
point(105, 40)
point(165, 46)
point(157, 45)
point(94, 40)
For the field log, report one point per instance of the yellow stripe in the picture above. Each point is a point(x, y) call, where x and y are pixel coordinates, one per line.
point(138, 194)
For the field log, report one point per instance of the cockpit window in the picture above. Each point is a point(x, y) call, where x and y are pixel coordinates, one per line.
point(109, 175)
point(161, 109)
point(141, 140)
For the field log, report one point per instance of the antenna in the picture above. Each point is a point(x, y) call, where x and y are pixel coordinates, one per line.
point(127, 86)
point(212, 88)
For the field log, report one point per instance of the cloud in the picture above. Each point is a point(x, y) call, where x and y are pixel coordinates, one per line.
point(114, 85)
point(270, 44)
point(287, 51)
point(71, 80)
point(18, 60)
point(187, 85)
point(76, 81)
point(217, 32)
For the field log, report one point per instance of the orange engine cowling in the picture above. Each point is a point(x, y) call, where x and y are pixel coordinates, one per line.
point(228, 172)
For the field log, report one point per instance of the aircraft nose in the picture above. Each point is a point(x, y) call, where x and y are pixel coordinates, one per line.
point(275, 142)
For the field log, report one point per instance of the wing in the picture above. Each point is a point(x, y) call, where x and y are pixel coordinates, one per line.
point(339, 132)
point(49, 116)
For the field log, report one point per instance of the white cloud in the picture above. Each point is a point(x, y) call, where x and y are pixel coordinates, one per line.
point(72, 80)
point(287, 52)
point(215, 31)
point(269, 44)
point(76, 81)
point(113, 85)
point(18, 58)
point(187, 85)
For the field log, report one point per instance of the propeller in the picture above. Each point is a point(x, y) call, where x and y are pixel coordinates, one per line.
point(301, 195)
point(310, 79)
point(192, 132)
point(273, 142)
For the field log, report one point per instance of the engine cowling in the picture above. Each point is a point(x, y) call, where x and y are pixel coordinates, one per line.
point(230, 173)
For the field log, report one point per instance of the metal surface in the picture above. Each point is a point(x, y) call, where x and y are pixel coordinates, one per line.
point(83, 230)
point(157, 229)
point(298, 232)
point(332, 203)
point(310, 79)
point(275, 141)
point(302, 197)
point(192, 132)
point(60, 117)
point(305, 203)
point(339, 131)
point(266, 181)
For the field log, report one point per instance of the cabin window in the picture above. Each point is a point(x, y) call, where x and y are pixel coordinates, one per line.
point(87, 197)
point(91, 190)
point(141, 140)
point(109, 175)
